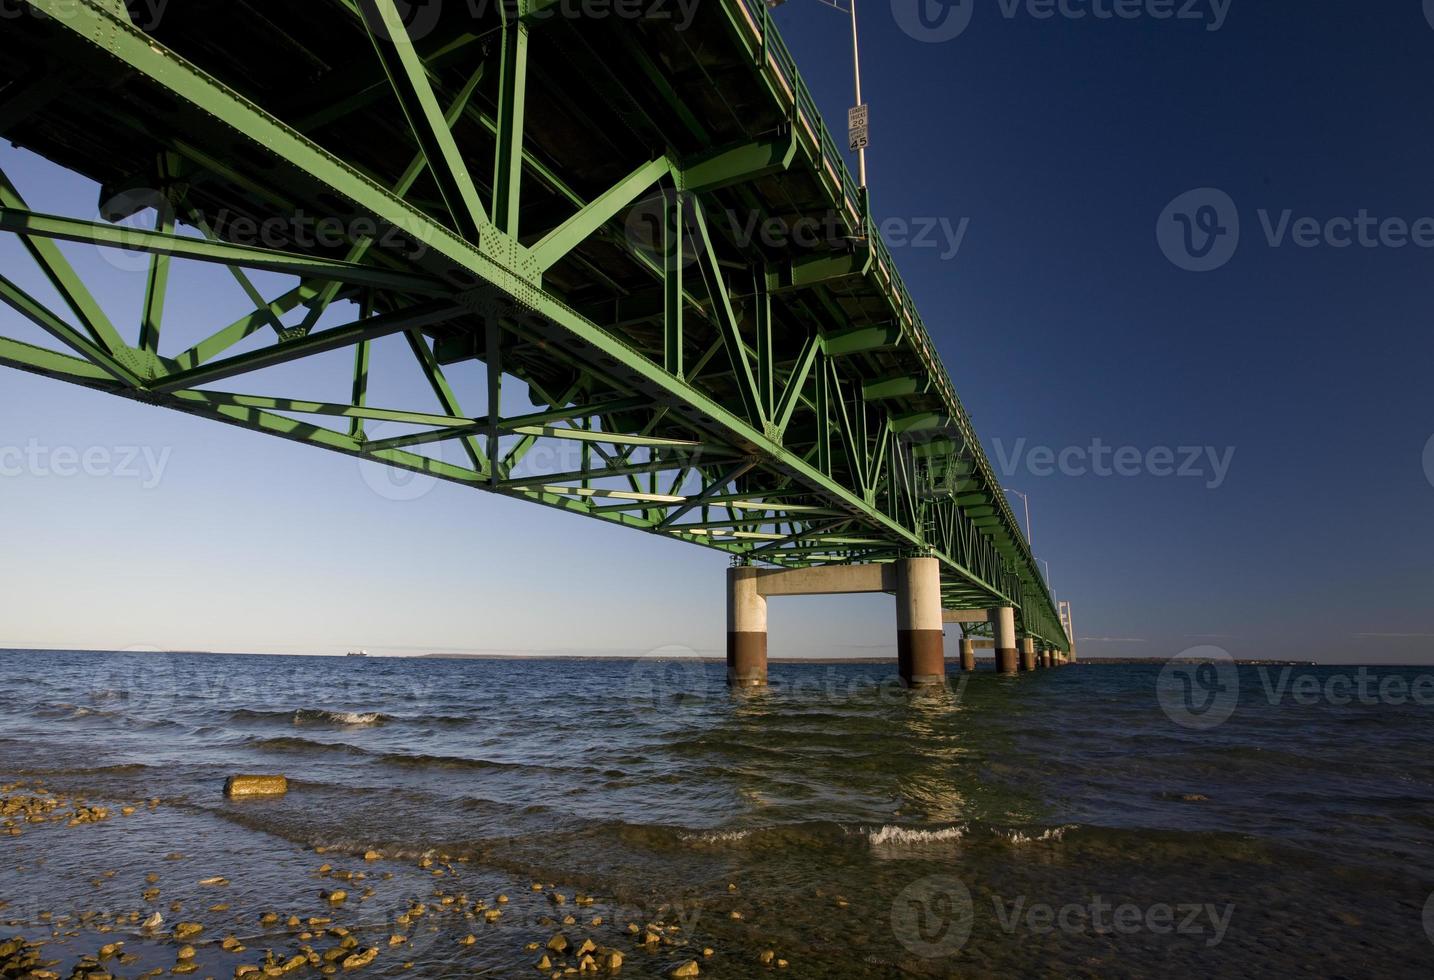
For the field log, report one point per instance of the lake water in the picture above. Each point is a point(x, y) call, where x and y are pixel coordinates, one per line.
point(1060, 823)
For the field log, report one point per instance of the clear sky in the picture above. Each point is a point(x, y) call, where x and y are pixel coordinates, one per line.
point(1032, 161)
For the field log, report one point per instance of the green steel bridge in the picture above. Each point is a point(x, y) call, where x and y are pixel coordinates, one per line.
point(539, 191)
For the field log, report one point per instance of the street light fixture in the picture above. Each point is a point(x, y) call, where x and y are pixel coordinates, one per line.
point(1027, 501)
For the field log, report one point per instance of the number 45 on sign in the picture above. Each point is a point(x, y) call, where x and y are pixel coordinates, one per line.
point(857, 131)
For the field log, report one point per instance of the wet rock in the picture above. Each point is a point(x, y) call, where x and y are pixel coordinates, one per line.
point(361, 959)
point(242, 786)
point(186, 930)
point(688, 969)
point(558, 944)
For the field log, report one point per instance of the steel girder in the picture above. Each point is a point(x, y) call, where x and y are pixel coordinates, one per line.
point(755, 416)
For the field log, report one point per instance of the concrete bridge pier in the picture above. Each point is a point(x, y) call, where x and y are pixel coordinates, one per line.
point(746, 629)
point(920, 656)
point(919, 616)
point(1050, 658)
point(1006, 656)
point(1028, 654)
point(968, 655)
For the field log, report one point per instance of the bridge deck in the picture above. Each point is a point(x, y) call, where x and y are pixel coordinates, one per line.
point(565, 200)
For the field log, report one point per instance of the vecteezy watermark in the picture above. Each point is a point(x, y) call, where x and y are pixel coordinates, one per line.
point(417, 19)
point(1208, 463)
point(1103, 918)
point(1199, 688)
point(935, 21)
point(647, 230)
point(667, 677)
point(1364, 686)
point(1429, 905)
point(1429, 461)
point(933, 917)
point(403, 483)
point(1199, 231)
point(302, 231)
point(144, 14)
point(143, 463)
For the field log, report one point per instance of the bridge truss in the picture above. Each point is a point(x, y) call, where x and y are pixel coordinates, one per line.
point(558, 200)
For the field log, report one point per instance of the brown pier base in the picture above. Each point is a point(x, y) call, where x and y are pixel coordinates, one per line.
point(968, 656)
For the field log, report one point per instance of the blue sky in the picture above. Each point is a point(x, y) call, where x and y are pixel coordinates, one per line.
point(1299, 372)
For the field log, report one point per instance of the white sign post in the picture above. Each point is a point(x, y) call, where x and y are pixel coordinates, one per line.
point(858, 131)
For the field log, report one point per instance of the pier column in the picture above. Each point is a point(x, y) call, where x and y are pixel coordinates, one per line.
point(968, 655)
point(1028, 654)
point(1006, 657)
point(919, 650)
point(746, 629)
point(1050, 658)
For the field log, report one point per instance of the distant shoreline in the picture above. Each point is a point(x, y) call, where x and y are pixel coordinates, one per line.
point(983, 656)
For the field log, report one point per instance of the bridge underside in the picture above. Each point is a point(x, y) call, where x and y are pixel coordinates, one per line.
point(626, 258)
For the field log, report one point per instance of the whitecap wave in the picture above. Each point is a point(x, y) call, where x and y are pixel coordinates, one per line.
point(715, 837)
point(1020, 837)
point(311, 716)
point(892, 834)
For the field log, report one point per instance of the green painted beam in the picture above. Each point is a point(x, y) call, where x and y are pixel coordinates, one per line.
point(302, 407)
point(860, 340)
point(336, 338)
point(29, 223)
point(895, 386)
point(30, 308)
point(918, 422)
point(739, 165)
point(409, 79)
point(577, 229)
point(819, 270)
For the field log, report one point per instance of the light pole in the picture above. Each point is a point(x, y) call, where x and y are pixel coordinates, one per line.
point(1027, 502)
point(856, 71)
point(850, 8)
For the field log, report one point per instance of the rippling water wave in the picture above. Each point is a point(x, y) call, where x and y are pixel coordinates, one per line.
point(845, 822)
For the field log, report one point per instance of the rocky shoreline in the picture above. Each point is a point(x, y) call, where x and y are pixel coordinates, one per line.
point(364, 914)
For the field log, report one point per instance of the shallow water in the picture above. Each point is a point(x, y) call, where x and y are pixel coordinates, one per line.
point(1052, 824)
